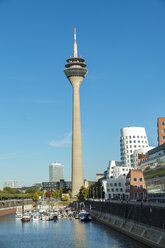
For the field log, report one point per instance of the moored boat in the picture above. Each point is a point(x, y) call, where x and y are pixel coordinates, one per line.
point(86, 217)
point(26, 218)
point(36, 218)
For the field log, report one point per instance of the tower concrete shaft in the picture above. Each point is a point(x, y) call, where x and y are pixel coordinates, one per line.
point(75, 73)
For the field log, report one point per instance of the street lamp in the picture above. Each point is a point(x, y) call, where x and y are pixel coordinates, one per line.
point(97, 193)
point(101, 192)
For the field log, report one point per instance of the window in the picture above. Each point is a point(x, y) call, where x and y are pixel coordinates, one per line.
point(163, 130)
point(163, 137)
point(121, 190)
point(130, 137)
point(130, 141)
point(119, 184)
point(134, 146)
point(134, 137)
point(134, 141)
point(115, 184)
point(141, 186)
point(135, 187)
point(135, 179)
point(163, 123)
point(130, 146)
point(138, 137)
point(141, 179)
point(138, 141)
point(135, 195)
point(111, 184)
point(116, 190)
point(112, 190)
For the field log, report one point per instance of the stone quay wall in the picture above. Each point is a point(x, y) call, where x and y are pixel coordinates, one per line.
point(142, 222)
point(12, 206)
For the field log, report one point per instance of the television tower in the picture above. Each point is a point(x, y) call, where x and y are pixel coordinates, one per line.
point(75, 72)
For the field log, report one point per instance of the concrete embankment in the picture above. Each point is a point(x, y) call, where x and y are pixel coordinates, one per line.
point(15, 205)
point(146, 224)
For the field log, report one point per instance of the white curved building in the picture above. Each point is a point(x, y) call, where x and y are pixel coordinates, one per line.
point(132, 138)
point(136, 153)
point(115, 169)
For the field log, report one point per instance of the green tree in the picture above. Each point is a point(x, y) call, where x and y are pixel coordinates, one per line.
point(30, 191)
point(56, 194)
point(11, 190)
point(35, 196)
point(83, 193)
point(70, 193)
point(64, 197)
point(96, 190)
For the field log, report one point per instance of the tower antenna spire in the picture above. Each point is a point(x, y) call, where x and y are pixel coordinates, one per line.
point(75, 44)
point(76, 71)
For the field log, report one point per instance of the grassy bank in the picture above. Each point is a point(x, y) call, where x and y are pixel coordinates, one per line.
point(157, 172)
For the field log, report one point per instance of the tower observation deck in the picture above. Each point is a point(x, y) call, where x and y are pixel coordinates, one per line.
point(76, 72)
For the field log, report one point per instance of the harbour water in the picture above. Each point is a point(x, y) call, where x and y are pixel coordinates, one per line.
point(61, 234)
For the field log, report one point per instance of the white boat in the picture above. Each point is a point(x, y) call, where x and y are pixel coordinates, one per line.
point(45, 218)
point(18, 215)
point(36, 218)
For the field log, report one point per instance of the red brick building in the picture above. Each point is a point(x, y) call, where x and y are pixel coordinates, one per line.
point(161, 130)
point(135, 185)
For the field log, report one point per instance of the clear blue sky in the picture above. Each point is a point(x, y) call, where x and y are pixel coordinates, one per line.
point(123, 43)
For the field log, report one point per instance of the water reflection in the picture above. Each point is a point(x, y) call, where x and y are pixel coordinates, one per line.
point(60, 234)
point(78, 234)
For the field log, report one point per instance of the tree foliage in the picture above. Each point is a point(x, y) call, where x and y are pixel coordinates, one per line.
point(65, 197)
point(96, 190)
point(11, 190)
point(35, 196)
point(70, 193)
point(83, 193)
point(30, 191)
point(10, 193)
point(48, 193)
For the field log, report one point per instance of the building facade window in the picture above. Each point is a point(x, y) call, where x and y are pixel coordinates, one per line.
point(135, 179)
point(135, 195)
point(163, 123)
point(141, 179)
